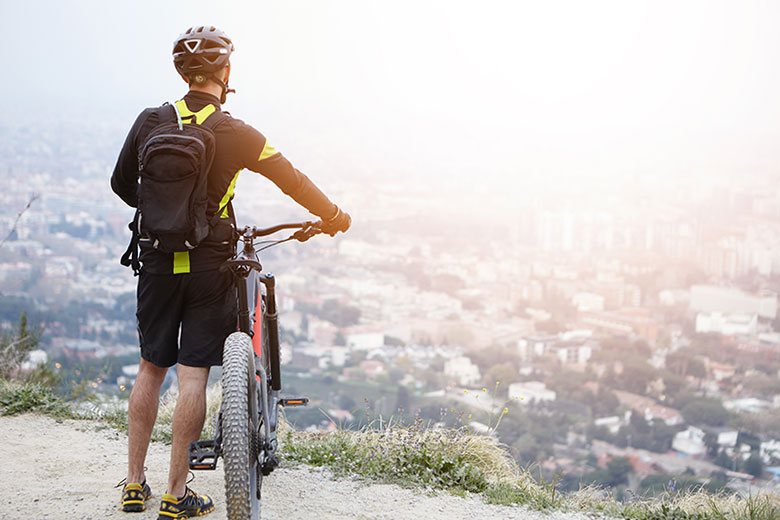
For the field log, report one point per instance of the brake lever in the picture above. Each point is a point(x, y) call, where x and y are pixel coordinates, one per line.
point(302, 235)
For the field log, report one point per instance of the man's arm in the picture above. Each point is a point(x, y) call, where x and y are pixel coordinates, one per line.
point(124, 180)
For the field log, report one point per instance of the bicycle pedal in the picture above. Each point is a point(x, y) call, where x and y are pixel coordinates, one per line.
point(202, 455)
point(294, 401)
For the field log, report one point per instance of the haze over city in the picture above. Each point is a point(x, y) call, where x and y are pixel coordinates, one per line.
point(516, 96)
point(576, 200)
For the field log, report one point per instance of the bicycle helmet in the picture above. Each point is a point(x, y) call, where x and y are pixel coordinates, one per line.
point(205, 50)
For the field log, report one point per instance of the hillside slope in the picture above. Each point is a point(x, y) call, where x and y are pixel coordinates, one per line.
point(68, 470)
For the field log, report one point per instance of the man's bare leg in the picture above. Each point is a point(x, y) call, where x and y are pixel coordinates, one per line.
point(188, 418)
point(141, 414)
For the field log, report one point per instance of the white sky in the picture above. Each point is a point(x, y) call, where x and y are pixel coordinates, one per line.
point(504, 94)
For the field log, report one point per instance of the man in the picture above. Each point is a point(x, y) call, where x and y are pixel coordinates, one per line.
point(186, 307)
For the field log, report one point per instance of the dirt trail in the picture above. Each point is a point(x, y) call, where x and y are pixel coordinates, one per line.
point(68, 471)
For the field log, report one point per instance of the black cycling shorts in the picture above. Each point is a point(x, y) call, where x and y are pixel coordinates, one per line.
point(185, 318)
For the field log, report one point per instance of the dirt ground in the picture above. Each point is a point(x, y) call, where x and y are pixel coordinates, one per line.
point(68, 470)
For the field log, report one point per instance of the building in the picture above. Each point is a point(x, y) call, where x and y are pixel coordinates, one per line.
point(690, 442)
point(372, 367)
point(535, 346)
point(364, 337)
point(573, 354)
point(463, 371)
point(530, 392)
point(728, 300)
point(586, 301)
point(623, 322)
point(648, 408)
point(611, 423)
point(727, 324)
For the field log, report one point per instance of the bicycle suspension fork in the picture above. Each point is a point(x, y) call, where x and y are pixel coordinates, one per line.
point(270, 320)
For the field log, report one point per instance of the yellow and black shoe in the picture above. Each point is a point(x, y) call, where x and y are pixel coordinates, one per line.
point(134, 497)
point(191, 504)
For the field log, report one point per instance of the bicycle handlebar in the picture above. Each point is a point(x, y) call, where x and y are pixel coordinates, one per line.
point(305, 230)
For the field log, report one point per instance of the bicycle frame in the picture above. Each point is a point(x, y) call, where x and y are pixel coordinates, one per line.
point(253, 302)
point(256, 323)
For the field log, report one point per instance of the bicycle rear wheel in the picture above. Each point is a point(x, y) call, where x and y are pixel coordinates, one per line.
point(240, 428)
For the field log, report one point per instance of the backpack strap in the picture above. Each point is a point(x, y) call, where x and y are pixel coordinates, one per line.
point(130, 257)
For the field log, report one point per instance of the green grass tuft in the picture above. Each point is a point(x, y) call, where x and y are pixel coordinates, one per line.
point(17, 398)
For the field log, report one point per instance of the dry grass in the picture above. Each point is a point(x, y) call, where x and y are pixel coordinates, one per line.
point(162, 427)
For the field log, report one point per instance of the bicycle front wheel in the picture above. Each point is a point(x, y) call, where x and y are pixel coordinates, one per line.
point(240, 428)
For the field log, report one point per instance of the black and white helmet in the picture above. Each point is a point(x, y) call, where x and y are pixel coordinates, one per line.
point(204, 49)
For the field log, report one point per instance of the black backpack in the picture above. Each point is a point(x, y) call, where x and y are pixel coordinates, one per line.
point(174, 164)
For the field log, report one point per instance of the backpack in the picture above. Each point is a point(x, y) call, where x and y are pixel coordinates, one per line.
point(174, 163)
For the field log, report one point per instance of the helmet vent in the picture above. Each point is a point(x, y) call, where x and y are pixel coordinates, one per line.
point(192, 45)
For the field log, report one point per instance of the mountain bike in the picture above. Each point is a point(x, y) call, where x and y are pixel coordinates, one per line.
point(251, 379)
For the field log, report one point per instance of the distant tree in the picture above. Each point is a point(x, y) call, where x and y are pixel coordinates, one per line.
point(620, 348)
point(765, 385)
point(569, 384)
point(705, 411)
point(606, 402)
point(487, 357)
point(346, 402)
point(706, 343)
point(340, 314)
point(750, 439)
point(638, 423)
point(618, 469)
point(402, 398)
point(641, 348)
point(550, 326)
point(661, 436)
point(636, 376)
point(394, 342)
point(395, 374)
point(673, 384)
point(504, 374)
point(753, 465)
point(598, 476)
point(591, 460)
point(724, 461)
point(718, 481)
point(684, 364)
point(559, 306)
point(526, 449)
point(711, 441)
point(355, 358)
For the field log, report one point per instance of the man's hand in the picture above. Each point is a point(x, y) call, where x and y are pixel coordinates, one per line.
point(338, 222)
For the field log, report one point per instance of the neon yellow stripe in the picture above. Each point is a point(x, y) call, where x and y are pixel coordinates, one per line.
point(267, 152)
point(181, 262)
point(228, 195)
point(200, 116)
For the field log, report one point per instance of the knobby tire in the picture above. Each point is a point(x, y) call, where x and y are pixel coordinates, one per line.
point(239, 421)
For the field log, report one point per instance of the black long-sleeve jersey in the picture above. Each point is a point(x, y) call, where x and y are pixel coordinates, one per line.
point(238, 146)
